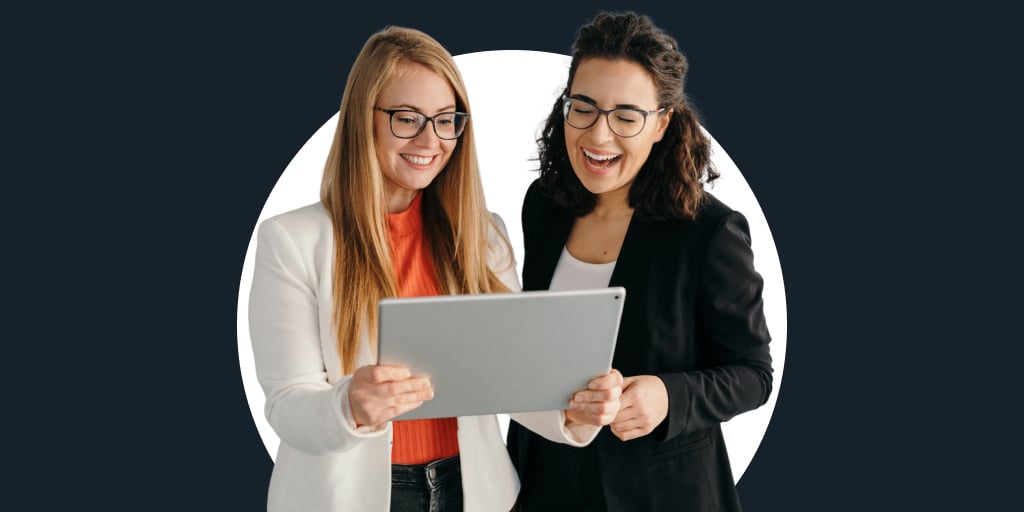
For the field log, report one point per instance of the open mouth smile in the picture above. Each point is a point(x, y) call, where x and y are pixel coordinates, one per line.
point(600, 161)
point(417, 160)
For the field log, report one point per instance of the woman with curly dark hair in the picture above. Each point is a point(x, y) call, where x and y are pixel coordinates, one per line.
point(620, 202)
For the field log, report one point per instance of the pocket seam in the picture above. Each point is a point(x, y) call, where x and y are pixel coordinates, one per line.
point(679, 450)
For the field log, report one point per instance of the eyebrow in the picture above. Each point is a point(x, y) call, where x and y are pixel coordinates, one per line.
point(406, 106)
point(590, 100)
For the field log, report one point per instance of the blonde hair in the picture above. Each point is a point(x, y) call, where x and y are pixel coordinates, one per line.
point(455, 217)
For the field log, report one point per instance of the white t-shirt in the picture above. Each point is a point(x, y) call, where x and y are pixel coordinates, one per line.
point(573, 274)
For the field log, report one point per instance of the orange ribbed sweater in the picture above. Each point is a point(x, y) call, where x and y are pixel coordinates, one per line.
point(417, 441)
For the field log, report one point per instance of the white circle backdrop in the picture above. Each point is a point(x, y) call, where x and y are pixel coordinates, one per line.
point(511, 93)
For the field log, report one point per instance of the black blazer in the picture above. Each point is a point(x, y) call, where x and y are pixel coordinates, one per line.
point(693, 316)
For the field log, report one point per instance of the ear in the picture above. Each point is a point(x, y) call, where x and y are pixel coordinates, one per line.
point(662, 125)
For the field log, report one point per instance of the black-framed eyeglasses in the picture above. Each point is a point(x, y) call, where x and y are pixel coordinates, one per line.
point(408, 124)
point(624, 122)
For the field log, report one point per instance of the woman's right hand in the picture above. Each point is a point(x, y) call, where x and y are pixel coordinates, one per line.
point(378, 393)
point(599, 403)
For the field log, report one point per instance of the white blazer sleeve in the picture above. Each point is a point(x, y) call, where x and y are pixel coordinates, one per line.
point(305, 410)
point(548, 424)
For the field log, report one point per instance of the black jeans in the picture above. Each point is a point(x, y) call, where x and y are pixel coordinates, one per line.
point(431, 487)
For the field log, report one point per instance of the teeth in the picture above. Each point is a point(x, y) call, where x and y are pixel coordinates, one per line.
point(599, 158)
point(418, 160)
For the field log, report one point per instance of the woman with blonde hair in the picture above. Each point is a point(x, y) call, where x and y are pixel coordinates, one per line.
point(401, 214)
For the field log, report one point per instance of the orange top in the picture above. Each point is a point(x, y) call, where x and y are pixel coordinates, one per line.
point(417, 441)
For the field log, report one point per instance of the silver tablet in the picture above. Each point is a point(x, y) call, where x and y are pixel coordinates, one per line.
point(504, 352)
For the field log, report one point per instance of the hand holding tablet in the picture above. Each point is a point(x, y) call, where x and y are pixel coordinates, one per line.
point(378, 393)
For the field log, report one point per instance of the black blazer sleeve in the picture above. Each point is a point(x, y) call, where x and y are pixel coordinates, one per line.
point(735, 373)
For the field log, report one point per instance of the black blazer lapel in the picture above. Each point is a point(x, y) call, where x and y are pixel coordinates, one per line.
point(548, 230)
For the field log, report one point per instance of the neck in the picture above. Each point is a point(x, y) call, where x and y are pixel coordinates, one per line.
point(398, 201)
point(613, 204)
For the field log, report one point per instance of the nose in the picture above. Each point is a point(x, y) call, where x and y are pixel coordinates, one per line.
point(428, 137)
point(601, 131)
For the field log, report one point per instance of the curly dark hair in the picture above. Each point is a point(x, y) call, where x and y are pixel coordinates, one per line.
point(669, 185)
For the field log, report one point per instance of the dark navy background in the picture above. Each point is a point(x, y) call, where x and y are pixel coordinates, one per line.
point(141, 143)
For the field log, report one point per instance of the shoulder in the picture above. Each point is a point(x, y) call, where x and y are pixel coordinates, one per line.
point(303, 227)
point(498, 228)
point(301, 219)
point(536, 194)
point(534, 189)
point(710, 211)
point(698, 232)
point(719, 226)
point(501, 255)
point(537, 202)
point(713, 212)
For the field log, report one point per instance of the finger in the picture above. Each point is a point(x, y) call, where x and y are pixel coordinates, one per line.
point(627, 414)
point(576, 417)
point(400, 387)
point(609, 380)
point(410, 398)
point(370, 399)
point(402, 409)
point(363, 373)
point(623, 425)
point(390, 413)
point(597, 395)
point(380, 373)
point(589, 419)
point(573, 416)
point(629, 397)
point(596, 408)
point(630, 434)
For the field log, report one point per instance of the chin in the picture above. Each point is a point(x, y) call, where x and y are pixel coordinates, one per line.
point(595, 184)
point(417, 180)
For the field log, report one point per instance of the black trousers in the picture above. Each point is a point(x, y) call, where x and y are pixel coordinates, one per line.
point(432, 487)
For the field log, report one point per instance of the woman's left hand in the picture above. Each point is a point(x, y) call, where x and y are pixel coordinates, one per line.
point(644, 406)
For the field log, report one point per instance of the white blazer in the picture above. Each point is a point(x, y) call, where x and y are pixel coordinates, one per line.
point(324, 463)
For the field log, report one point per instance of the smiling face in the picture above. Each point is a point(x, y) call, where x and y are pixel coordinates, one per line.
point(604, 162)
point(409, 165)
